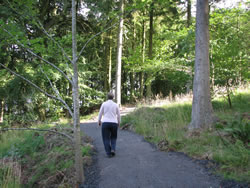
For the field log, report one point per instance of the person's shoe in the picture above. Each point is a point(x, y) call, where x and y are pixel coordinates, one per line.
point(113, 152)
point(109, 156)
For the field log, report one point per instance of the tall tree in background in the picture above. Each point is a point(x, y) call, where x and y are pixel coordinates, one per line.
point(202, 111)
point(119, 56)
point(189, 16)
point(150, 47)
point(189, 23)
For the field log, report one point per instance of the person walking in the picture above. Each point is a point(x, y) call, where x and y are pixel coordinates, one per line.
point(109, 118)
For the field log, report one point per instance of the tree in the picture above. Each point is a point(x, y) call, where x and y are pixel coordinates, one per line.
point(119, 55)
point(150, 47)
point(202, 111)
point(75, 89)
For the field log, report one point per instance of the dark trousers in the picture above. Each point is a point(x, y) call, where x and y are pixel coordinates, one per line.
point(109, 136)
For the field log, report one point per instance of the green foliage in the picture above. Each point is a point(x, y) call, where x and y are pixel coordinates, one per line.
point(167, 127)
point(238, 129)
point(86, 150)
point(158, 123)
point(10, 174)
point(234, 160)
point(26, 146)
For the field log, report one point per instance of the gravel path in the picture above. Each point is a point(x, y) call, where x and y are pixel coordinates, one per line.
point(138, 164)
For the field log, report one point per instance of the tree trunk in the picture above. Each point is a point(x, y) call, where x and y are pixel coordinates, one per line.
point(75, 89)
point(189, 21)
point(1, 110)
point(189, 82)
point(202, 111)
point(119, 57)
point(110, 62)
point(150, 49)
point(106, 66)
point(132, 74)
point(143, 58)
point(132, 87)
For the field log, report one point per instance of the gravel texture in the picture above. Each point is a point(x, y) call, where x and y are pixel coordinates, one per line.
point(138, 164)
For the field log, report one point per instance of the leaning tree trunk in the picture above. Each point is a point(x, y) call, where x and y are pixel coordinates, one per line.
point(119, 57)
point(202, 111)
point(75, 89)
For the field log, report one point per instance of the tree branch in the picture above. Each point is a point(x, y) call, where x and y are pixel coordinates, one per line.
point(59, 46)
point(43, 29)
point(33, 129)
point(84, 46)
point(57, 93)
point(39, 57)
point(108, 28)
point(31, 83)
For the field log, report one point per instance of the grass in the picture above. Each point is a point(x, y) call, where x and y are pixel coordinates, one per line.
point(10, 174)
point(47, 159)
point(166, 126)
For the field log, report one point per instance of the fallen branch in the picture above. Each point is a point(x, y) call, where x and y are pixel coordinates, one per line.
point(32, 129)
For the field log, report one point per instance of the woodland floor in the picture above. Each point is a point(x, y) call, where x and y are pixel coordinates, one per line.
point(139, 164)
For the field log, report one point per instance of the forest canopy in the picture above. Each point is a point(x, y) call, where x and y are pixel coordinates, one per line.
point(157, 60)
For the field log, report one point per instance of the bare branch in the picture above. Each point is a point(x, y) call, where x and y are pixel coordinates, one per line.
point(59, 46)
point(33, 129)
point(57, 93)
point(39, 57)
point(34, 85)
point(31, 83)
point(84, 46)
point(108, 28)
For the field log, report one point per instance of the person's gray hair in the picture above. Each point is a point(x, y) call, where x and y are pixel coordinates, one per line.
point(110, 95)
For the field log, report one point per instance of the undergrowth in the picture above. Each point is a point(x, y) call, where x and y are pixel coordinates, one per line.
point(47, 159)
point(166, 126)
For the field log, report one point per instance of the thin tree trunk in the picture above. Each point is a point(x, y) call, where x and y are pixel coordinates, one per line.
point(132, 87)
point(189, 13)
point(110, 62)
point(119, 56)
point(132, 74)
point(189, 82)
point(202, 111)
point(76, 118)
point(143, 58)
point(1, 110)
point(108, 65)
point(150, 49)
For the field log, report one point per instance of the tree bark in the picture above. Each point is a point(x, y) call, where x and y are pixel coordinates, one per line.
point(110, 62)
point(202, 111)
point(75, 90)
point(1, 110)
point(132, 74)
point(143, 58)
point(119, 56)
point(107, 71)
point(150, 49)
point(189, 21)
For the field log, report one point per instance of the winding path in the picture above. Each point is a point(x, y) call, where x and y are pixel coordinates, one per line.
point(138, 164)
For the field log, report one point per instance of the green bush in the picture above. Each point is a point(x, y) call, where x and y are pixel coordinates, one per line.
point(238, 129)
